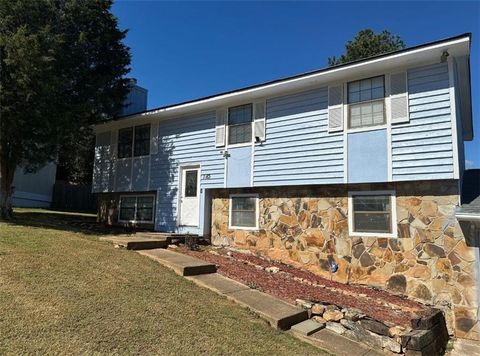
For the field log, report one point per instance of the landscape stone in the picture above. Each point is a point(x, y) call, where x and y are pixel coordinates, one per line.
point(336, 327)
point(272, 269)
point(319, 319)
point(391, 345)
point(318, 309)
point(332, 315)
point(353, 314)
point(375, 326)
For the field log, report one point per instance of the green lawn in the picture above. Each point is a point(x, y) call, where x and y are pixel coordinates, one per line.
point(62, 291)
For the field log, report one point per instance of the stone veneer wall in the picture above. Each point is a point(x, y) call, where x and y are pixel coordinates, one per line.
point(308, 227)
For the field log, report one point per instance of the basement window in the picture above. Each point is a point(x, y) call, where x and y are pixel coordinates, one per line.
point(243, 211)
point(372, 214)
point(138, 209)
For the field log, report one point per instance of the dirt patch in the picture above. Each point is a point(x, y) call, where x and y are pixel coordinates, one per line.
point(290, 283)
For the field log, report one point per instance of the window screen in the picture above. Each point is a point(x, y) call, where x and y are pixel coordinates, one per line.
point(127, 208)
point(366, 99)
point(240, 124)
point(142, 140)
point(125, 138)
point(244, 212)
point(372, 213)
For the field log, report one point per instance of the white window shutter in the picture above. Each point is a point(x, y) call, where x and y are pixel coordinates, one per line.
point(154, 138)
point(259, 123)
point(335, 108)
point(399, 98)
point(220, 127)
point(113, 144)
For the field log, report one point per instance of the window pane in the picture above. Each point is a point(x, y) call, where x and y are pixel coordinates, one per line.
point(366, 114)
point(365, 95)
point(354, 97)
point(377, 93)
point(240, 133)
point(240, 114)
point(372, 222)
point(366, 90)
point(145, 202)
point(377, 82)
point(127, 208)
point(366, 84)
point(125, 137)
point(372, 213)
point(142, 140)
point(244, 211)
point(191, 180)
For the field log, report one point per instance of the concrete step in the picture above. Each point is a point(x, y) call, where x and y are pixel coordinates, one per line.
point(278, 313)
point(182, 264)
point(135, 242)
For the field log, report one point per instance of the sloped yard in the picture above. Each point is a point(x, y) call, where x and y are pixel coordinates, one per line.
point(64, 292)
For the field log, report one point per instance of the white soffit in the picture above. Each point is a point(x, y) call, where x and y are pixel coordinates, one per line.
point(459, 46)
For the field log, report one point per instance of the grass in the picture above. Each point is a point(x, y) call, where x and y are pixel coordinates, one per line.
point(62, 291)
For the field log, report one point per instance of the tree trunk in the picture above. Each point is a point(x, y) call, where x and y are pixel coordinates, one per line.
point(6, 179)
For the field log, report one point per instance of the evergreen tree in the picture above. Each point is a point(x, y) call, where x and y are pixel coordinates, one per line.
point(367, 44)
point(62, 68)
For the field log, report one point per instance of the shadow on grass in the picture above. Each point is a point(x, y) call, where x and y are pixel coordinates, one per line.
point(62, 220)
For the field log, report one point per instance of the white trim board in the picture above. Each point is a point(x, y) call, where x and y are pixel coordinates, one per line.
point(457, 46)
point(257, 212)
point(393, 217)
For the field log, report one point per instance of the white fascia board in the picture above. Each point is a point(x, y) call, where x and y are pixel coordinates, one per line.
point(407, 58)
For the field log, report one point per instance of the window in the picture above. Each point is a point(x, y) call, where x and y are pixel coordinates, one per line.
point(125, 137)
point(130, 144)
point(240, 124)
point(366, 102)
point(191, 180)
point(244, 211)
point(142, 140)
point(372, 214)
point(136, 208)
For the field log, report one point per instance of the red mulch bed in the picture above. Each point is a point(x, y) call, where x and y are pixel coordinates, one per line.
point(377, 304)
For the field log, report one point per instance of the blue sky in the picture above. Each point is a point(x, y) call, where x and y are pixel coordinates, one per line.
point(185, 50)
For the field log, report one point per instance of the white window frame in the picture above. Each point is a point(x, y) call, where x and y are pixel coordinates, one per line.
point(393, 218)
point(386, 105)
point(136, 196)
point(252, 127)
point(257, 212)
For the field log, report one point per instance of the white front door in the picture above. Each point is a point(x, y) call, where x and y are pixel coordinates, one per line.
point(190, 189)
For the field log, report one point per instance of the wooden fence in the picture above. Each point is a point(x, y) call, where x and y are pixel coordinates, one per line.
point(75, 197)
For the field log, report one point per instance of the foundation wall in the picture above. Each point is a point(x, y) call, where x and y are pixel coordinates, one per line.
point(431, 260)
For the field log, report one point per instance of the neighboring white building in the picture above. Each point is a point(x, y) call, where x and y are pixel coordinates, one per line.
point(34, 190)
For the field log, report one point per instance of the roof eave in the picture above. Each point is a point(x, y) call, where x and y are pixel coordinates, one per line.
point(456, 46)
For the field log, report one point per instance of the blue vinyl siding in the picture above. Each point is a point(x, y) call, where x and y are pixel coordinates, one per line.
point(184, 141)
point(298, 148)
point(423, 148)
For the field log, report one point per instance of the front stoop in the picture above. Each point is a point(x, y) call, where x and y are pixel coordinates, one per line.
point(182, 264)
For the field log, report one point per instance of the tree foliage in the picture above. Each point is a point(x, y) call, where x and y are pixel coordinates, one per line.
point(367, 44)
point(62, 69)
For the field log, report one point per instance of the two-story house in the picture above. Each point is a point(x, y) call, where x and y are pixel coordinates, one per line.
point(352, 172)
